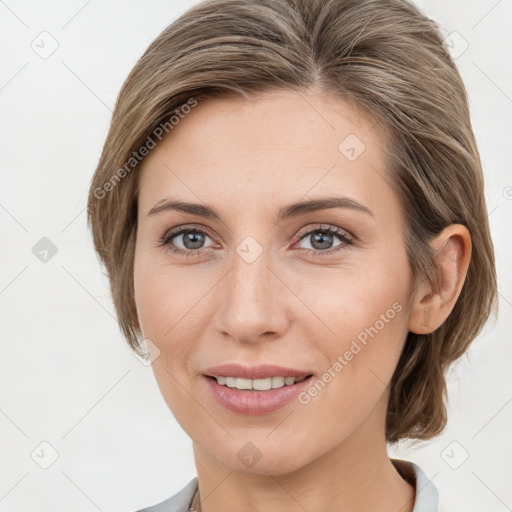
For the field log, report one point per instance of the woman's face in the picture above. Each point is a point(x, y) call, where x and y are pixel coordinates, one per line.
point(255, 281)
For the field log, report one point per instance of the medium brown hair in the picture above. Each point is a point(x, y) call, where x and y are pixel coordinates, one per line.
point(388, 58)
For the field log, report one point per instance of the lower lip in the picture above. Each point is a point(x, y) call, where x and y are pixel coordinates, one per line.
point(255, 403)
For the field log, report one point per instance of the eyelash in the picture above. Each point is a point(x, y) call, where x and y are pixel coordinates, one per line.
point(347, 240)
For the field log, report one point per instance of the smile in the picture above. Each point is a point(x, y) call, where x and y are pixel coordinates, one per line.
point(258, 384)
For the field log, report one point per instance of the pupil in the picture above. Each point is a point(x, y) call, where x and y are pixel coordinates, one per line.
point(193, 240)
point(321, 237)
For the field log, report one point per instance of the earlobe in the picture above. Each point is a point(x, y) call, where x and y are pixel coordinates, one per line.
point(432, 303)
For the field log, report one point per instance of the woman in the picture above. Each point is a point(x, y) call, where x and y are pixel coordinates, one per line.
point(290, 208)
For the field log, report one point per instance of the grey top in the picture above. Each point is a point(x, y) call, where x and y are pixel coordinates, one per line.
point(427, 496)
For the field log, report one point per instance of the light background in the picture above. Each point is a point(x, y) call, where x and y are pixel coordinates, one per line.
point(67, 377)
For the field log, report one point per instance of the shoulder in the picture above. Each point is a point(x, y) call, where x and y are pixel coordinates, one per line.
point(427, 495)
point(180, 502)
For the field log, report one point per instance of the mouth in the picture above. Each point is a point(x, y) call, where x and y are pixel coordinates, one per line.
point(256, 397)
point(259, 378)
point(265, 384)
point(255, 390)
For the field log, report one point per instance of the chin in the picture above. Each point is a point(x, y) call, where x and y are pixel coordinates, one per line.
point(260, 456)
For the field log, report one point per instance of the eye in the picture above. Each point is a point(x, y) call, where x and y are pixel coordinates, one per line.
point(321, 240)
point(191, 239)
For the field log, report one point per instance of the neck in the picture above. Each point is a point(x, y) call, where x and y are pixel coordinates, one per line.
point(355, 475)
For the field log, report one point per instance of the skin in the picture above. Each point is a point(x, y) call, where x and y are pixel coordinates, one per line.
point(246, 159)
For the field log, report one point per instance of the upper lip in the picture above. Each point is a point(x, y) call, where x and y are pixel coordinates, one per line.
point(262, 371)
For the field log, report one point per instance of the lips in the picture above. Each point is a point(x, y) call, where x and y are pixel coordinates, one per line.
point(254, 402)
point(263, 371)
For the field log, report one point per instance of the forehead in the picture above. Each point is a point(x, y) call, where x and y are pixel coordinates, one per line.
point(283, 145)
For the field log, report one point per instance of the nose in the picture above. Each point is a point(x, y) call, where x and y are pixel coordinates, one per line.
point(253, 301)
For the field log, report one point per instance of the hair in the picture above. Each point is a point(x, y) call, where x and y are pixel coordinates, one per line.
point(386, 57)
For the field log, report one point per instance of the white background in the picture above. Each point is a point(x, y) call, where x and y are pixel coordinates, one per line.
point(68, 378)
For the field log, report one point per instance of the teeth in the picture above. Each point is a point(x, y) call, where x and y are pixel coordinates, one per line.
point(257, 384)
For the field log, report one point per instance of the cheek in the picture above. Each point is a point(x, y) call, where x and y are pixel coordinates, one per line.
point(362, 319)
point(170, 305)
point(350, 301)
point(159, 296)
point(365, 314)
point(154, 298)
point(166, 316)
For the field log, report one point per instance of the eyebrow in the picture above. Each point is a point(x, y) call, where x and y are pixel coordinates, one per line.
point(285, 212)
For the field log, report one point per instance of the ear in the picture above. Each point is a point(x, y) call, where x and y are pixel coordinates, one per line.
point(432, 304)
